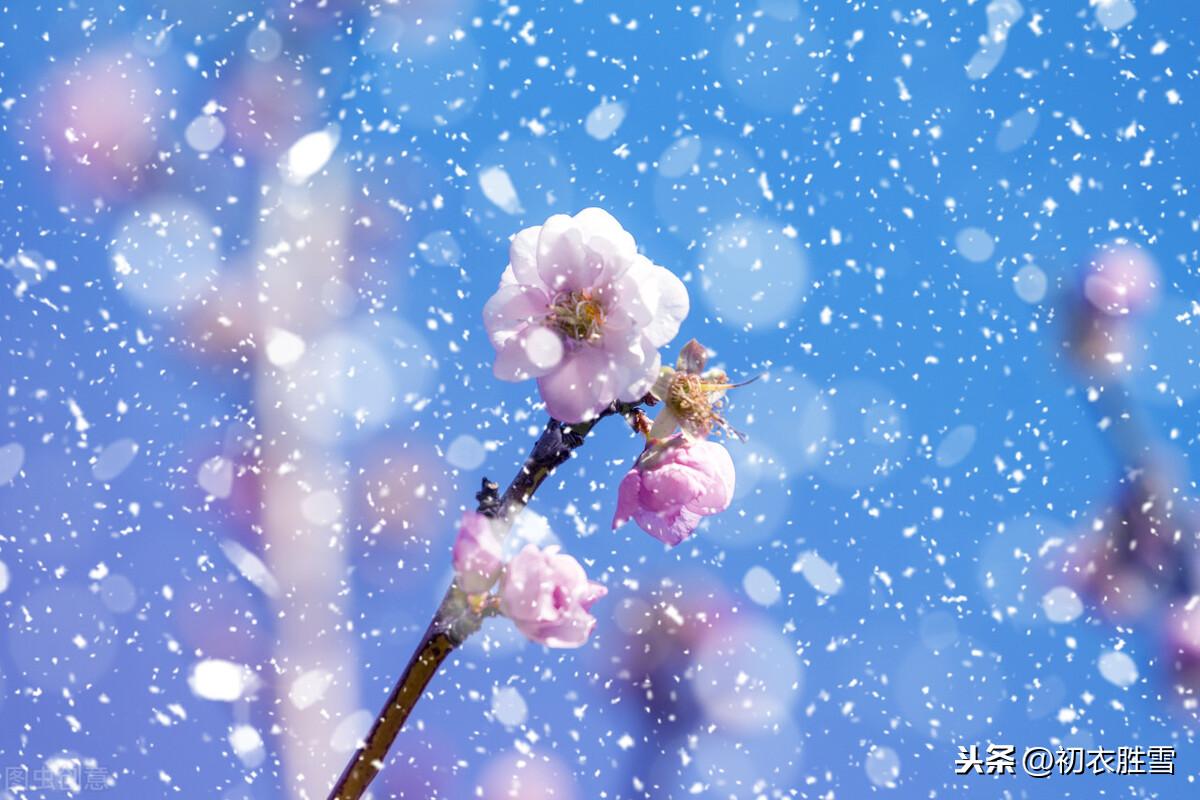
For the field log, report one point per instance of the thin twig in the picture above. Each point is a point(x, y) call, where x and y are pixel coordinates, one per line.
point(435, 646)
point(454, 622)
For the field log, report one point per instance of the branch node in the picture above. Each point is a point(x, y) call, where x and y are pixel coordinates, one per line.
point(488, 498)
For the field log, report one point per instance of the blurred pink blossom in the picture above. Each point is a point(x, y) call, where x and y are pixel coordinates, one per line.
point(673, 485)
point(1121, 280)
point(100, 121)
point(582, 311)
point(477, 553)
point(548, 596)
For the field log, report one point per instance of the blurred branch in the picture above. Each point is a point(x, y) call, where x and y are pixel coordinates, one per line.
point(455, 621)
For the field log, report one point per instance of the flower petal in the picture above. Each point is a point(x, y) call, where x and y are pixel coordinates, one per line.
point(514, 361)
point(511, 309)
point(591, 593)
point(638, 374)
point(562, 261)
point(672, 309)
point(476, 555)
point(601, 224)
point(547, 595)
point(522, 257)
point(675, 483)
point(581, 387)
point(634, 296)
point(627, 498)
point(670, 529)
point(692, 358)
point(671, 487)
point(716, 487)
point(604, 237)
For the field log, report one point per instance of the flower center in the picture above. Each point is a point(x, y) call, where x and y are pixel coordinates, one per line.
point(578, 315)
point(688, 398)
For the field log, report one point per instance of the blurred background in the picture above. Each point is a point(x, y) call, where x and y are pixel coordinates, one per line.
point(247, 392)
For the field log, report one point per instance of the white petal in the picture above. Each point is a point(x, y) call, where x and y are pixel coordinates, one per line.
point(512, 308)
point(673, 306)
point(581, 386)
point(562, 261)
point(633, 297)
point(514, 361)
point(637, 375)
point(508, 278)
point(612, 244)
point(599, 222)
point(522, 257)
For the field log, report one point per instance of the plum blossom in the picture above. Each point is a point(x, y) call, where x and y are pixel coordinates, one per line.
point(477, 553)
point(674, 484)
point(692, 396)
point(1118, 283)
point(1121, 280)
point(584, 313)
point(548, 596)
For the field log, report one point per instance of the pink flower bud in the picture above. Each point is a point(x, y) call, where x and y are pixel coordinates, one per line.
point(548, 596)
point(673, 485)
point(477, 553)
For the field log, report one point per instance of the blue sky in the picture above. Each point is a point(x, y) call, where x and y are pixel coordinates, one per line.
point(881, 215)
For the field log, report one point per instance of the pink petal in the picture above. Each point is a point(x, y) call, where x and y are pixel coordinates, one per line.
point(547, 596)
point(476, 555)
point(513, 362)
point(591, 593)
point(670, 529)
point(571, 633)
point(674, 485)
point(565, 569)
point(670, 487)
point(627, 498)
point(714, 463)
point(581, 386)
point(512, 308)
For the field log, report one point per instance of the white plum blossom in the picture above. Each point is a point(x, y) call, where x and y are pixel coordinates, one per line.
point(584, 313)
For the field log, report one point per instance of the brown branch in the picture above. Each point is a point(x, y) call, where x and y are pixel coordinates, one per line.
point(454, 620)
point(553, 447)
point(435, 646)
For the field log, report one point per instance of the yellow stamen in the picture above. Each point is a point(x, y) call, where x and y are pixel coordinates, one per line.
point(578, 315)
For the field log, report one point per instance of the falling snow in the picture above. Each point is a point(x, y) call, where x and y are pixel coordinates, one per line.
point(248, 392)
